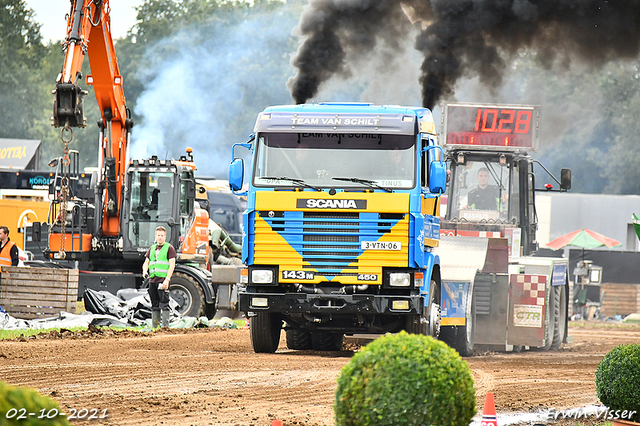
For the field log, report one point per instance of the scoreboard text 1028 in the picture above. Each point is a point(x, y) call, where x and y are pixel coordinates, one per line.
point(492, 126)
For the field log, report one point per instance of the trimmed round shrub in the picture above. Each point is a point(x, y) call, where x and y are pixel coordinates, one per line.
point(16, 404)
point(405, 379)
point(618, 379)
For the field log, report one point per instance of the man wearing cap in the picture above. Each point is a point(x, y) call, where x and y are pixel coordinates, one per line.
point(158, 267)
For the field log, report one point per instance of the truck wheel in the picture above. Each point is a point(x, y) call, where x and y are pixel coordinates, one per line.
point(298, 340)
point(560, 317)
point(428, 323)
point(264, 330)
point(186, 292)
point(461, 337)
point(324, 341)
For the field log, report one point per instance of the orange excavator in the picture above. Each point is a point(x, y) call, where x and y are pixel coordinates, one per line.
point(107, 235)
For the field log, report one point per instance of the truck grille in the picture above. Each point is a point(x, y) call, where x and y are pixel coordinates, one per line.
point(330, 242)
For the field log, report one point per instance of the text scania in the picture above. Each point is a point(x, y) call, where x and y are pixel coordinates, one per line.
point(331, 121)
point(331, 204)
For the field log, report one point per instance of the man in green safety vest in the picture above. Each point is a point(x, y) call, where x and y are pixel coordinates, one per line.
point(158, 267)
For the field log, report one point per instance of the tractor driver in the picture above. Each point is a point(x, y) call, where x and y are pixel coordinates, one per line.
point(485, 196)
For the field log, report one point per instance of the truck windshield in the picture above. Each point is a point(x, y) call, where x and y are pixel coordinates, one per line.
point(316, 158)
point(481, 191)
point(151, 205)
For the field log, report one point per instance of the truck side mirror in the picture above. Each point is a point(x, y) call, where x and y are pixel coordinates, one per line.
point(437, 177)
point(36, 231)
point(565, 179)
point(236, 174)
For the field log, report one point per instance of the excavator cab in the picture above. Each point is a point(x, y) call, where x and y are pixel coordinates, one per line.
point(162, 193)
point(151, 205)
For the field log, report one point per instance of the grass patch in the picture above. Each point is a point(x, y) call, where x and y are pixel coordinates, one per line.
point(14, 334)
point(240, 323)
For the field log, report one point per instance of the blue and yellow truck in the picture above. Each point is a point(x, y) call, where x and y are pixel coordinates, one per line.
point(342, 218)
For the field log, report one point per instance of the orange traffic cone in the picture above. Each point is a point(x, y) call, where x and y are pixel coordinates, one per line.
point(489, 417)
point(276, 423)
point(246, 323)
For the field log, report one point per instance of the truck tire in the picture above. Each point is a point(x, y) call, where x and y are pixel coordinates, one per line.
point(299, 340)
point(324, 341)
point(428, 323)
point(461, 337)
point(560, 318)
point(186, 292)
point(264, 330)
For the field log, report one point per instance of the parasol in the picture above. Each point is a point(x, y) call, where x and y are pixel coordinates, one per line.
point(584, 239)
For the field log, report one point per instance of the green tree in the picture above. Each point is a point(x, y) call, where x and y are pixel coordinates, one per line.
point(21, 52)
point(29, 70)
point(84, 140)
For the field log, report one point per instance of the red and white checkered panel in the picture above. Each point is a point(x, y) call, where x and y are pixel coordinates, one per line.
point(534, 289)
point(527, 310)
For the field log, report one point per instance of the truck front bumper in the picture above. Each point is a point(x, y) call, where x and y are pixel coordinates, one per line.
point(292, 303)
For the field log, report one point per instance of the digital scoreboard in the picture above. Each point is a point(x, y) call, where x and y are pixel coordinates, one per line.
point(492, 126)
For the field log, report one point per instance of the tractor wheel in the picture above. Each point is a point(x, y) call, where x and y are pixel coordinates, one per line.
point(264, 330)
point(551, 312)
point(186, 292)
point(324, 341)
point(560, 317)
point(298, 340)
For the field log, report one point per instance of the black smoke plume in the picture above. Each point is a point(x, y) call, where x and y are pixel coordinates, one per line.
point(461, 37)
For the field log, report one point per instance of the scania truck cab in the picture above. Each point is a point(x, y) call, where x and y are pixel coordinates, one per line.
point(341, 221)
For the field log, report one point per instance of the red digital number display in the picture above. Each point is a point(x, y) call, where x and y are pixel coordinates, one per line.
point(495, 126)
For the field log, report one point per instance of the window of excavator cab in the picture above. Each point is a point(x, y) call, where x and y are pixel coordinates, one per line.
point(186, 204)
point(152, 191)
point(151, 205)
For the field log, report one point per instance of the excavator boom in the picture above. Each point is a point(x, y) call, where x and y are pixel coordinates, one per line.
point(89, 33)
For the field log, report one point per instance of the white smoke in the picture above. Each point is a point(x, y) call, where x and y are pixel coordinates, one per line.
point(207, 93)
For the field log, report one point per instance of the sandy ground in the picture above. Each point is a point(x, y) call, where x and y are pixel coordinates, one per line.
point(212, 376)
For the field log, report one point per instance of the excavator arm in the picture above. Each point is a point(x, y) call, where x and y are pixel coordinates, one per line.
point(89, 33)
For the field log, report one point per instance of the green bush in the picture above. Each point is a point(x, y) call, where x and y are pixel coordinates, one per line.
point(405, 379)
point(618, 379)
point(16, 404)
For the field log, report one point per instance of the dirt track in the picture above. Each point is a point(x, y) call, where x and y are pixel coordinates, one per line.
point(212, 377)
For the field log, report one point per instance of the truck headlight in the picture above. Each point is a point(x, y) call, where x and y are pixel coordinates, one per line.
point(259, 302)
point(262, 276)
point(400, 305)
point(399, 279)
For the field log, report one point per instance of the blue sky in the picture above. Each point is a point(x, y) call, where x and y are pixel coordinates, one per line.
point(51, 14)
